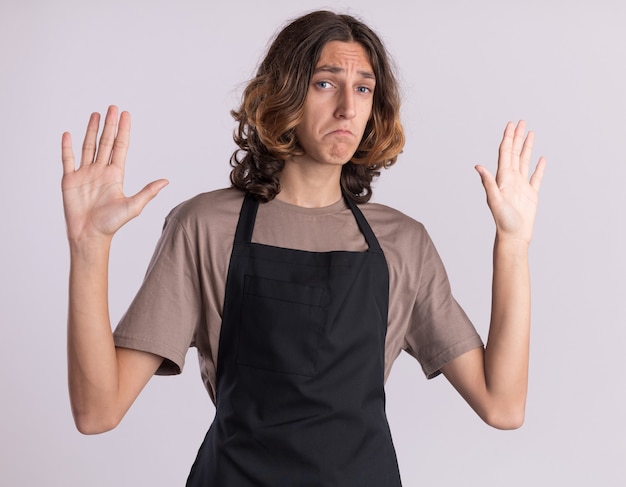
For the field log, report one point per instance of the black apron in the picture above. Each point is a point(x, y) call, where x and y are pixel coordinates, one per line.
point(300, 399)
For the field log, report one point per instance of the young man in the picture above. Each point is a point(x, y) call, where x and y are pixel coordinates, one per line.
point(297, 294)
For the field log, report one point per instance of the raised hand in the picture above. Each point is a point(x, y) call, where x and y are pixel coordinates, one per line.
point(495, 381)
point(93, 197)
point(512, 197)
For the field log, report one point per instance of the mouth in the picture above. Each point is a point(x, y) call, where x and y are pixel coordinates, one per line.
point(342, 133)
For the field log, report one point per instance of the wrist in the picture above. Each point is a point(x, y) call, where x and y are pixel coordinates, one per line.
point(89, 248)
point(511, 245)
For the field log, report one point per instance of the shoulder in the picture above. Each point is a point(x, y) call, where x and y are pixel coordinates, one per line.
point(208, 208)
point(202, 227)
point(407, 246)
point(391, 224)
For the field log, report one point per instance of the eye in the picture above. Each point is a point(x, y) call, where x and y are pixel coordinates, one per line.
point(323, 84)
point(364, 89)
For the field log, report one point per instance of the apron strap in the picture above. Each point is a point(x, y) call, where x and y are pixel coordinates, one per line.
point(247, 216)
point(365, 228)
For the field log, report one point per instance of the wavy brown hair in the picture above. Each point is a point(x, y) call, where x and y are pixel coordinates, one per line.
point(273, 104)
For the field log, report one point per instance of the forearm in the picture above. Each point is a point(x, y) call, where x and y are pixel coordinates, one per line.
point(507, 350)
point(92, 363)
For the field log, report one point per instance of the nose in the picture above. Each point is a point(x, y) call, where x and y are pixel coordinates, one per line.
point(346, 107)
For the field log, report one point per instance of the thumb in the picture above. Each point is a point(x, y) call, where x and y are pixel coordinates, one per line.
point(138, 201)
point(489, 182)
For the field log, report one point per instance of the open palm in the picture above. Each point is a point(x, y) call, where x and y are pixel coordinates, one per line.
point(512, 197)
point(93, 197)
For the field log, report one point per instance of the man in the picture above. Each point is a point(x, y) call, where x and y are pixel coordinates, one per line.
point(297, 294)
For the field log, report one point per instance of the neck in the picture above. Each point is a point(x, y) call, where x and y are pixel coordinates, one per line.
point(310, 187)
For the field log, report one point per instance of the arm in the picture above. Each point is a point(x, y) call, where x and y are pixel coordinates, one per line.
point(494, 381)
point(103, 381)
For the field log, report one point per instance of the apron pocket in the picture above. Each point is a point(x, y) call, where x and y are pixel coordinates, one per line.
point(281, 324)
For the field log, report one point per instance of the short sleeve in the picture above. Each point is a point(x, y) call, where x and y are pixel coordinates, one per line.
point(164, 314)
point(439, 330)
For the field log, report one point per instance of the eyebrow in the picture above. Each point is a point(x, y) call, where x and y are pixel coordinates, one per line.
point(336, 70)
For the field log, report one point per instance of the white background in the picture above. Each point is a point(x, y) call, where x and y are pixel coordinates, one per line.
point(466, 68)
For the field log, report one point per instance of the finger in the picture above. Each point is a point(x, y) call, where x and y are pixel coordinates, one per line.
point(518, 142)
point(504, 151)
point(67, 154)
point(139, 201)
point(489, 183)
point(122, 140)
point(527, 150)
point(108, 136)
point(537, 175)
point(89, 143)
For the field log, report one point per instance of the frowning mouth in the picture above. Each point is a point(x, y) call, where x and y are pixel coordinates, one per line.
point(342, 133)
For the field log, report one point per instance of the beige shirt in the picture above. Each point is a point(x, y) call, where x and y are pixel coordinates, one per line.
point(181, 300)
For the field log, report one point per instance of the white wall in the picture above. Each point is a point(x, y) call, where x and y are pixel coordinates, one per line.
point(466, 68)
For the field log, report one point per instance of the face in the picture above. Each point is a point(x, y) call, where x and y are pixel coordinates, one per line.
point(338, 105)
